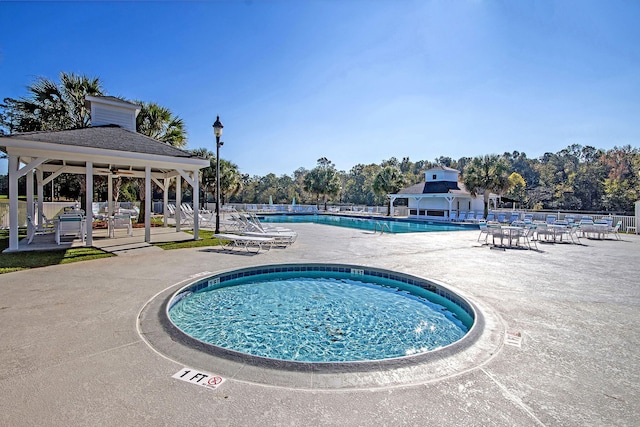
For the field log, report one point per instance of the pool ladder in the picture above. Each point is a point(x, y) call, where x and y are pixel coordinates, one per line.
point(381, 226)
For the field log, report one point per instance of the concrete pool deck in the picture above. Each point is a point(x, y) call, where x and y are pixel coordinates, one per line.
point(71, 352)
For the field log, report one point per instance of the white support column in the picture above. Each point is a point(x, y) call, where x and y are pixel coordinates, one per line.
point(165, 202)
point(196, 206)
point(30, 198)
point(147, 204)
point(391, 200)
point(88, 210)
point(450, 201)
point(13, 202)
point(418, 200)
point(178, 201)
point(109, 196)
point(40, 190)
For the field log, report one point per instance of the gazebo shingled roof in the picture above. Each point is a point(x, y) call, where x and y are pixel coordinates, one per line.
point(109, 137)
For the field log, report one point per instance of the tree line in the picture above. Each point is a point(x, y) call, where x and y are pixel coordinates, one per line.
point(575, 178)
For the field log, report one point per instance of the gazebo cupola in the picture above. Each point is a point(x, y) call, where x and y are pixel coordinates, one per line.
point(108, 110)
point(441, 173)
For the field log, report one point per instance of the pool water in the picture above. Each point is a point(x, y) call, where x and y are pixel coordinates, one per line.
point(309, 317)
point(390, 226)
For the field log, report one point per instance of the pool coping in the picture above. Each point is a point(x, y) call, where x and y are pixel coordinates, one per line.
point(483, 341)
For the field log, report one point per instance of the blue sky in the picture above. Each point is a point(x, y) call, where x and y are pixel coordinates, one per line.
point(353, 81)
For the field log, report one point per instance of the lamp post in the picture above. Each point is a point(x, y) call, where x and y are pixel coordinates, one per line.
point(217, 131)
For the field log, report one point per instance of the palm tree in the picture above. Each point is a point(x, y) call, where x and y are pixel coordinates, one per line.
point(206, 175)
point(51, 105)
point(159, 123)
point(323, 180)
point(230, 177)
point(486, 174)
point(388, 180)
point(230, 180)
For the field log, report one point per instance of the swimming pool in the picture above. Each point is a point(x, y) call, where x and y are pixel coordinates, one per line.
point(391, 225)
point(320, 314)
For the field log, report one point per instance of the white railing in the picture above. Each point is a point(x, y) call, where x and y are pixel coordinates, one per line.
point(4, 213)
point(628, 221)
point(399, 211)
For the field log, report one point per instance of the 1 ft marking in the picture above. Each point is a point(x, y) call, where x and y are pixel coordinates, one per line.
point(513, 338)
point(199, 378)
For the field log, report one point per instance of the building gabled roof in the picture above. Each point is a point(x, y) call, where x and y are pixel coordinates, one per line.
point(109, 137)
point(435, 187)
point(442, 168)
point(110, 100)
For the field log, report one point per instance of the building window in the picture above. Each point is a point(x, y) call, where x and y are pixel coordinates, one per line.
point(434, 177)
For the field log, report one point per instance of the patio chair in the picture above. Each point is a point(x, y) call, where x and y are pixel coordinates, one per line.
point(453, 216)
point(490, 216)
point(526, 234)
point(35, 230)
point(502, 218)
point(515, 216)
point(120, 222)
point(483, 231)
point(550, 219)
point(494, 230)
point(70, 225)
point(462, 217)
point(616, 229)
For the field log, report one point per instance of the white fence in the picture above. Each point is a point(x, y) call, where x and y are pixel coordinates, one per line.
point(627, 220)
point(284, 208)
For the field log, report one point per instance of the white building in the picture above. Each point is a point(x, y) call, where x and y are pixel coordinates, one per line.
point(440, 196)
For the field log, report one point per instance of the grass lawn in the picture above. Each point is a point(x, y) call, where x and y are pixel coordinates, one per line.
point(33, 259)
point(206, 239)
point(24, 260)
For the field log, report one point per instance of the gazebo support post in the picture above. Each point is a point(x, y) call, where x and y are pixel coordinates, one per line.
point(40, 190)
point(165, 201)
point(196, 206)
point(147, 204)
point(30, 198)
point(13, 202)
point(109, 196)
point(89, 204)
point(178, 202)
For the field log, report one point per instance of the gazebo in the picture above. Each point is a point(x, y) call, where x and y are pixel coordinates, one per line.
point(110, 147)
point(440, 194)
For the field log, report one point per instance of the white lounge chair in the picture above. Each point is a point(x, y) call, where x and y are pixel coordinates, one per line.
point(232, 241)
point(279, 239)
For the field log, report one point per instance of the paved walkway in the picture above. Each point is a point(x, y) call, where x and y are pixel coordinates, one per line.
point(71, 353)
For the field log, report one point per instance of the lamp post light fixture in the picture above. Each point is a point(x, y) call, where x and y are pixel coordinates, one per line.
point(217, 131)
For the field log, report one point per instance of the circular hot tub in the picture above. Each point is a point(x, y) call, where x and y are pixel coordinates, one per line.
point(330, 320)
